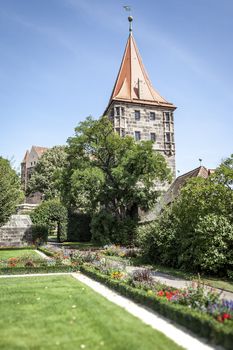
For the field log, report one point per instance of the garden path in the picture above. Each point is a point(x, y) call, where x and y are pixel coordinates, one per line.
point(177, 282)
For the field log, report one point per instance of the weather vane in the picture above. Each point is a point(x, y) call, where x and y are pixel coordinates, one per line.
point(130, 18)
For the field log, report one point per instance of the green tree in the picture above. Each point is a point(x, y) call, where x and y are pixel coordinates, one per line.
point(47, 174)
point(10, 191)
point(111, 173)
point(195, 233)
point(50, 213)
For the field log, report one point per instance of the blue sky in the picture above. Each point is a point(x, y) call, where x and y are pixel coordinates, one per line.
point(59, 60)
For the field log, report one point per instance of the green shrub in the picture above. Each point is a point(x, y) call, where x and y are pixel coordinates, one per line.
point(49, 213)
point(107, 229)
point(78, 227)
point(213, 243)
point(158, 240)
point(40, 234)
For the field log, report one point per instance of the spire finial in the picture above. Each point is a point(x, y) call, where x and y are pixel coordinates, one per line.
point(130, 18)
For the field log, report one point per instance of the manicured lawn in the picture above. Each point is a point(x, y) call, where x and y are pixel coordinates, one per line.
point(58, 312)
point(6, 254)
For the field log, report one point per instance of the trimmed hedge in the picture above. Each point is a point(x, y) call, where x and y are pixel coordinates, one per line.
point(78, 229)
point(200, 323)
point(37, 269)
point(46, 251)
point(18, 248)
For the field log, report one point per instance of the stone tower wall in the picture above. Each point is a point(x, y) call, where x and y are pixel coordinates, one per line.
point(124, 122)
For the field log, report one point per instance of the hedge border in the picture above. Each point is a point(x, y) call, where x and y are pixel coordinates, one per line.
point(37, 269)
point(47, 252)
point(31, 247)
point(199, 323)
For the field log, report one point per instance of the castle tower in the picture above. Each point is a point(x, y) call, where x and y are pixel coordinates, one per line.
point(137, 109)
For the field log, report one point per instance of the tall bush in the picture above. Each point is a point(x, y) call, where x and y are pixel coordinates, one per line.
point(49, 213)
point(195, 233)
point(78, 227)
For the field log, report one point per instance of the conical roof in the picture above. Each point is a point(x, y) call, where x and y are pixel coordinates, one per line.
point(133, 83)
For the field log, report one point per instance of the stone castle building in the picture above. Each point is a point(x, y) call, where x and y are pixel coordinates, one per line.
point(29, 162)
point(137, 109)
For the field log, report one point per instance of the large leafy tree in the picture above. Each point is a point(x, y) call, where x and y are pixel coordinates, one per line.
point(111, 173)
point(10, 191)
point(199, 225)
point(47, 174)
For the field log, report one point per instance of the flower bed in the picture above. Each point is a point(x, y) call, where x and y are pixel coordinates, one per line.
point(196, 308)
point(203, 323)
point(29, 263)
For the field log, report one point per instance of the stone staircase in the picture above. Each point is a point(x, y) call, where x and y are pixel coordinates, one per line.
point(16, 232)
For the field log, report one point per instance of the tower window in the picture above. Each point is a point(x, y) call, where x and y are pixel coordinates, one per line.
point(137, 135)
point(168, 137)
point(122, 111)
point(117, 111)
point(152, 115)
point(137, 115)
point(153, 136)
point(167, 117)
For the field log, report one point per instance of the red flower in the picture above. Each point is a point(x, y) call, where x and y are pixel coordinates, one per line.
point(169, 295)
point(160, 293)
point(226, 317)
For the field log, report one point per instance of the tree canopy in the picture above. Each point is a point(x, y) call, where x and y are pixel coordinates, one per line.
point(106, 171)
point(196, 232)
point(10, 190)
point(47, 173)
point(51, 212)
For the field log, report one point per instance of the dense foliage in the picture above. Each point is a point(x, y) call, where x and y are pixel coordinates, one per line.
point(78, 228)
point(52, 214)
point(110, 177)
point(196, 232)
point(10, 192)
point(47, 174)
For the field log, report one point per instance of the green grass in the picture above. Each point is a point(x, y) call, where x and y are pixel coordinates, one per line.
point(6, 254)
point(58, 312)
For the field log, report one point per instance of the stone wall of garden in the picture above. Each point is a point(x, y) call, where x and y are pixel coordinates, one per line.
point(16, 232)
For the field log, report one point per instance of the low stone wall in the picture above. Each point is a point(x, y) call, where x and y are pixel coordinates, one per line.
point(16, 232)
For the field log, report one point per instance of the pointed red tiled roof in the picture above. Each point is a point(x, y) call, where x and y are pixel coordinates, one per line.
point(25, 159)
point(181, 180)
point(40, 150)
point(132, 83)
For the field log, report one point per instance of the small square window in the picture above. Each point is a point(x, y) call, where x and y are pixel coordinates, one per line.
point(153, 136)
point(152, 115)
point(137, 115)
point(137, 135)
